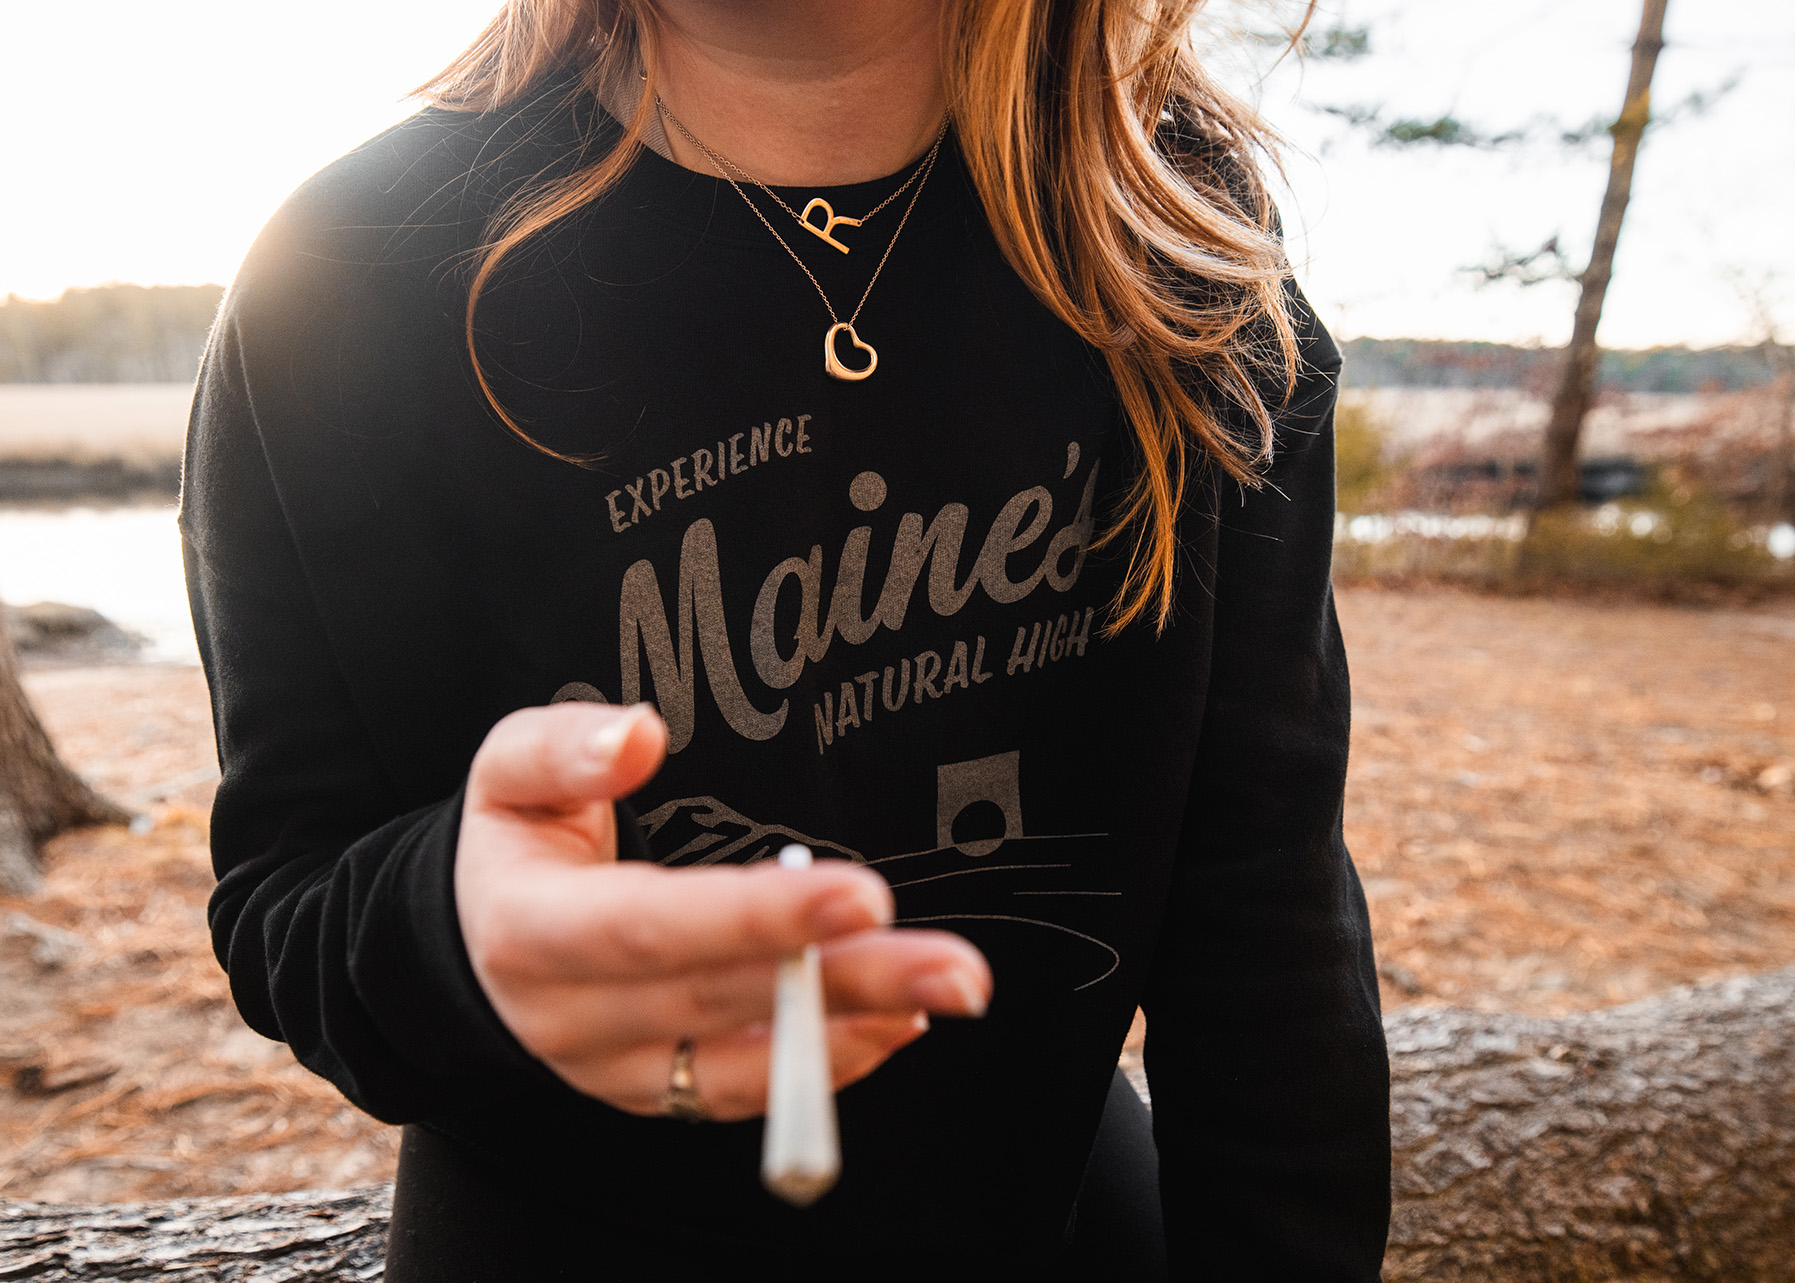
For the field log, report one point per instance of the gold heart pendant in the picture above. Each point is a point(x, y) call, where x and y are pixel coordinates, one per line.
point(834, 220)
point(832, 363)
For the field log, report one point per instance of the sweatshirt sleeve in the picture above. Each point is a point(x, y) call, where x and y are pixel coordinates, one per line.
point(1265, 1048)
point(334, 913)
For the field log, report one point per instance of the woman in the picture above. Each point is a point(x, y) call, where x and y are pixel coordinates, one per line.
point(910, 400)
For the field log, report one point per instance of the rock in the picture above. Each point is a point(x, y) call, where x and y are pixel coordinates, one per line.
point(52, 948)
point(52, 630)
point(1400, 976)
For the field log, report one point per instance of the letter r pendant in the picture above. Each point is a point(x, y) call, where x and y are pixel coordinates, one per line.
point(832, 220)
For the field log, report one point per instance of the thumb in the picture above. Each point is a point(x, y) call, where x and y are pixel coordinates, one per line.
point(565, 757)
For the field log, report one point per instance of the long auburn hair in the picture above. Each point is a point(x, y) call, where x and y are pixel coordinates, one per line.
point(1119, 179)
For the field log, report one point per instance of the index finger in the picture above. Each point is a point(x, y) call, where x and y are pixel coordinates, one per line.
point(635, 921)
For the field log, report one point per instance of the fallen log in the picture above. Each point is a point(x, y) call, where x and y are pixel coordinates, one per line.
point(337, 1236)
point(1650, 1142)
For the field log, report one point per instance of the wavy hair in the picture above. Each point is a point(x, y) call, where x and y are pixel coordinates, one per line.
point(1119, 178)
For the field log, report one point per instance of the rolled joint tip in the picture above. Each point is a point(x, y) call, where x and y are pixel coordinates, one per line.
point(797, 1187)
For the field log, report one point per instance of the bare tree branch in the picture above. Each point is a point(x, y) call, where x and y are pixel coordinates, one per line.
point(1449, 131)
point(1547, 263)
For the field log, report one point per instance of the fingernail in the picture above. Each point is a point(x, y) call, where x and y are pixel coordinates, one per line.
point(950, 991)
point(920, 1022)
point(607, 741)
point(848, 911)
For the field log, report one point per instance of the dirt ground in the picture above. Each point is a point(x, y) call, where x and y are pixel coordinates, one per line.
point(1554, 805)
point(1558, 805)
point(131, 1075)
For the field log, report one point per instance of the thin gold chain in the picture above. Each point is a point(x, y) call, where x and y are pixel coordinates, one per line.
point(723, 167)
point(723, 162)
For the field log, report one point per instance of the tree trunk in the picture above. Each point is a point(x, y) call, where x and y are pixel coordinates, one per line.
point(1649, 1142)
point(317, 1237)
point(1783, 482)
point(1645, 1143)
point(39, 796)
point(1577, 379)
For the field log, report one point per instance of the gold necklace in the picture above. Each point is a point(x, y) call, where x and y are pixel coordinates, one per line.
point(832, 364)
point(824, 231)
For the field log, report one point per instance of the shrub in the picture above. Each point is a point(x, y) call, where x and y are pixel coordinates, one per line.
point(1675, 534)
point(1361, 475)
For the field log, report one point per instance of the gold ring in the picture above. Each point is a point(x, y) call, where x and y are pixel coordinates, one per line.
point(680, 1100)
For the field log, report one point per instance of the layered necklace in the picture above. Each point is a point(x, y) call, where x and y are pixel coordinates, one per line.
point(825, 231)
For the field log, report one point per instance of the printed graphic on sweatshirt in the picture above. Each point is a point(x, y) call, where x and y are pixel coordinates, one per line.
point(703, 469)
point(1020, 549)
point(985, 864)
point(695, 831)
point(937, 674)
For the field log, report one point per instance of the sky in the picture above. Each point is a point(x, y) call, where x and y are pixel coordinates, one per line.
point(159, 137)
point(1382, 232)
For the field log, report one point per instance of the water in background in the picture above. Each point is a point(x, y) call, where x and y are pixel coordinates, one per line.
point(123, 562)
point(126, 562)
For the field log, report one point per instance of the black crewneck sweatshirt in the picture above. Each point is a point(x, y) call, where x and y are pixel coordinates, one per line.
point(870, 616)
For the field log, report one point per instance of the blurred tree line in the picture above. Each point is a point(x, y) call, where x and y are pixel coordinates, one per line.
point(155, 334)
point(1426, 363)
point(110, 334)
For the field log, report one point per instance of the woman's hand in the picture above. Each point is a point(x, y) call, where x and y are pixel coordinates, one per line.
point(600, 968)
